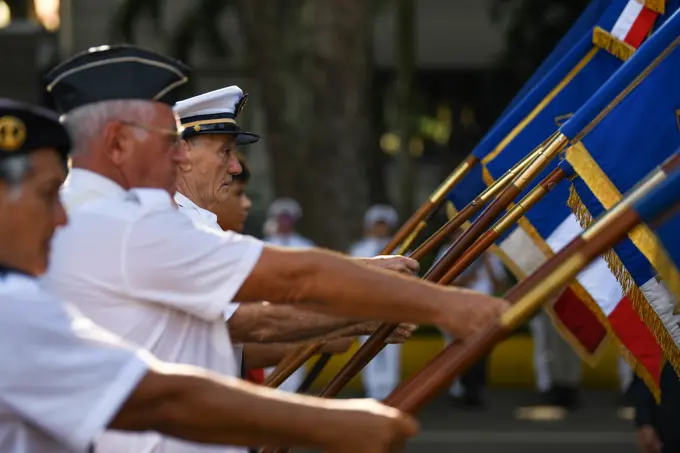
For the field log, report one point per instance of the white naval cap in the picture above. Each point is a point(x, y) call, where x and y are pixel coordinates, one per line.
point(284, 206)
point(214, 112)
point(381, 213)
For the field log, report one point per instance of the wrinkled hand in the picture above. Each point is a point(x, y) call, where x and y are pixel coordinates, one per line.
point(366, 426)
point(401, 334)
point(468, 315)
point(401, 264)
point(648, 439)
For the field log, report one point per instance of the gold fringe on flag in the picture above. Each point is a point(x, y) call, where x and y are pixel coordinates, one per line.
point(625, 280)
point(658, 6)
point(637, 298)
point(589, 357)
point(613, 45)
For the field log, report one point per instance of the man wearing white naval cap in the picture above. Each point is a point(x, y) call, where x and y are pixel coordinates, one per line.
point(211, 136)
point(138, 267)
point(381, 375)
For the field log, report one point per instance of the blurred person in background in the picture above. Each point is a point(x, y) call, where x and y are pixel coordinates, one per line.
point(486, 275)
point(280, 229)
point(381, 376)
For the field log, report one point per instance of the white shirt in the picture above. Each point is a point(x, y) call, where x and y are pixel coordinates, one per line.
point(208, 219)
point(136, 266)
point(63, 379)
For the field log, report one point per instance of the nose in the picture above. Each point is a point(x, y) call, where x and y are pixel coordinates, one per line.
point(181, 154)
point(234, 166)
point(60, 217)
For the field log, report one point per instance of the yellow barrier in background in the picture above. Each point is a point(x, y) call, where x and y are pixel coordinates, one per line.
point(510, 365)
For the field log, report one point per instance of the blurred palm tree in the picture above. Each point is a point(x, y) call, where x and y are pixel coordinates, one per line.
point(199, 26)
point(312, 64)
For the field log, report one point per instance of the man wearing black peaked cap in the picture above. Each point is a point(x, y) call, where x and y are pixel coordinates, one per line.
point(65, 380)
point(136, 266)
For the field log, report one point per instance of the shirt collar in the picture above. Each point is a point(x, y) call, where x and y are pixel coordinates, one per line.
point(205, 215)
point(86, 179)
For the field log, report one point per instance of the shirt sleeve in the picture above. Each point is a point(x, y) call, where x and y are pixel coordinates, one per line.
point(230, 310)
point(168, 259)
point(61, 373)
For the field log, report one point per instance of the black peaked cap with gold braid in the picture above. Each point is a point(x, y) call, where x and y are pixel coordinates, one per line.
point(116, 72)
point(26, 128)
point(215, 112)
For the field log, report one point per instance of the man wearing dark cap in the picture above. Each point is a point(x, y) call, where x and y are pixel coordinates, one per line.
point(65, 380)
point(141, 269)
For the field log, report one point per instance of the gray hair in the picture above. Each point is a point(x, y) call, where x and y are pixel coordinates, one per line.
point(86, 123)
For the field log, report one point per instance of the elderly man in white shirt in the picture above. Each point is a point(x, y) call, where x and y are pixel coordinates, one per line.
point(138, 267)
point(64, 380)
point(211, 136)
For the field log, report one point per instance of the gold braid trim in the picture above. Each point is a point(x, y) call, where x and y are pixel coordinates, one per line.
point(605, 40)
point(658, 6)
point(637, 298)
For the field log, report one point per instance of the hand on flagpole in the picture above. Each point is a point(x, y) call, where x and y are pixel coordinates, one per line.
point(401, 334)
point(401, 264)
point(471, 315)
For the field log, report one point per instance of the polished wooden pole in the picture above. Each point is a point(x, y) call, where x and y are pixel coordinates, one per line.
point(556, 144)
point(376, 342)
point(529, 295)
point(403, 238)
point(506, 222)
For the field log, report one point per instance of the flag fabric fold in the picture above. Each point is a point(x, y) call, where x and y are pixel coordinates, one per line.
point(550, 223)
point(635, 136)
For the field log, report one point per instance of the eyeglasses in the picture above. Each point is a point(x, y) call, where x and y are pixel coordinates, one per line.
point(174, 135)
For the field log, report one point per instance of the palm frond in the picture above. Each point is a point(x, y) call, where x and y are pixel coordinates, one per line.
point(130, 12)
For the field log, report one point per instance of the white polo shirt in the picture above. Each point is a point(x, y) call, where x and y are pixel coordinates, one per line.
point(208, 219)
point(136, 266)
point(63, 379)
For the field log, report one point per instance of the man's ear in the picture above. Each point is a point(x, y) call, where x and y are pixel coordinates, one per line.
point(115, 138)
point(186, 166)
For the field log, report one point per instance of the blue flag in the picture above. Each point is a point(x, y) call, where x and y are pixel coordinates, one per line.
point(638, 134)
point(583, 26)
point(568, 83)
point(551, 224)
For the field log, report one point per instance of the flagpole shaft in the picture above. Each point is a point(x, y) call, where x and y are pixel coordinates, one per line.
point(376, 342)
point(489, 215)
point(527, 297)
point(314, 372)
point(432, 204)
point(413, 394)
point(291, 362)
point(472, 208)
point(296, 358)
point(487, 239)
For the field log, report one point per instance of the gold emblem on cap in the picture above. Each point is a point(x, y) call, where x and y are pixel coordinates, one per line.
point(12, 133)
point(240, 104)
point(197, 127)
